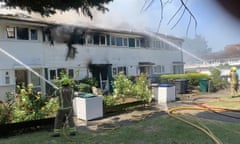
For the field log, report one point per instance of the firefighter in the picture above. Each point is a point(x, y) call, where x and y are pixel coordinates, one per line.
point(65, 112)
point(234, 81)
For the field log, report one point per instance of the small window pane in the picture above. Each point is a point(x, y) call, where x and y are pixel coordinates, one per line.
point(137, 43)
point(125, 42)
point(96, 39)
point(34, 34)
point(119, 41)
point(35, 80)
point(22, 33)
point(71, 73)
point(52, 74)
point(131, 42)
point(10, 32)
point(102, 39)
point(113, 41)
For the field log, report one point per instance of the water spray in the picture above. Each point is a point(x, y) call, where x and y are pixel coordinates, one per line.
point(27, 67)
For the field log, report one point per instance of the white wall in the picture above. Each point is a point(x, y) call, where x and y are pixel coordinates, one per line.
point(117, 56)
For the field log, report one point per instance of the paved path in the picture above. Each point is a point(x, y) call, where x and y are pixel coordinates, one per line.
point(132, 117)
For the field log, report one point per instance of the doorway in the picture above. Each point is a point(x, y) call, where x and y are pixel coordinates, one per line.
point(103, 74)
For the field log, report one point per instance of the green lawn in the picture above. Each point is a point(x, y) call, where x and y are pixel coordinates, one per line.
point(226, 102)
point(159, 130)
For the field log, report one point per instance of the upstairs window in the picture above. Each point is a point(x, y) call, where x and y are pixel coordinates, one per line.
point(22, 33)
point(125, 42)
point(113, 40)
point(34, 34)
point(119, 41)
point(96, 39)
point(103, 39)
point(131, 42)
point(11, 32)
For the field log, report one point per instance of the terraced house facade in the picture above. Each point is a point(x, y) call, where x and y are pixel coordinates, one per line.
point(49, 48)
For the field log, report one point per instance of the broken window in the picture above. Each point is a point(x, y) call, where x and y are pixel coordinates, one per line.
point(10, 32)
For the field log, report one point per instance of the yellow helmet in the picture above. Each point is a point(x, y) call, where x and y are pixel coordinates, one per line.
point(234, 69)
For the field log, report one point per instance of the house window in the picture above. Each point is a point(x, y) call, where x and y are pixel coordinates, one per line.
point(96, 39)
point(113, 39)
point(22, 33)
point(131, 42)
point(10, 32)
point(89, 39)
point(35, 80)
point(125, 42)
point(57, 73)
point(71, 73)
point(103, 40)
point(137, 42)
point(52, 74)
point(119, 41)
point(117, 70)
point(7, 78)
point(159, 69)
point(34, 34)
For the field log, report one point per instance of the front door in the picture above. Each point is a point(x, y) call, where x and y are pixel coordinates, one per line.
point(103, 74)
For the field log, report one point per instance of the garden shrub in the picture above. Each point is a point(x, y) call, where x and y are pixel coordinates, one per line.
point(137, 88)
point(5, 113)
point(141, 88)
point(27, 105)
point(123, 87)
point(217, 81)
point(193, 78)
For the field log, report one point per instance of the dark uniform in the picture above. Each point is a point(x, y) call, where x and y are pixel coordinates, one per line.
point(65, 111)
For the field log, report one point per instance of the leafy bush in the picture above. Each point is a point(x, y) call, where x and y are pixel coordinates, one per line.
point(27, 105)
point(5, 113)
point(141, 89)
point(138, 88)
point(217, 81)
point(123, 87)
point(90, 81)
point(193, 78)
point(82, 87)
point(85, 85)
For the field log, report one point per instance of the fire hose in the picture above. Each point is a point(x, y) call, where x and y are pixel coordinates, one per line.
point(199, 106)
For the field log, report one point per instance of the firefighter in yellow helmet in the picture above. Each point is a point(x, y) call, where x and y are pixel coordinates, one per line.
point(65, 111)
point(234, 81)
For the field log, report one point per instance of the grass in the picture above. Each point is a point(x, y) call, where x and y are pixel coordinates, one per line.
point(226, 102)
point(159, 130)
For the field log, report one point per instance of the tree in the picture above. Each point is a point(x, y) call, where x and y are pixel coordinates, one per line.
point(49, 7)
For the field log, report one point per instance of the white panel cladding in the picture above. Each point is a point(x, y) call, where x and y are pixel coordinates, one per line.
point(4, 90)
point(1, 32)
point(30, 53)
point(117, 56)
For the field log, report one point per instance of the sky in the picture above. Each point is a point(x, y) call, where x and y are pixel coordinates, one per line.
point(213, 23)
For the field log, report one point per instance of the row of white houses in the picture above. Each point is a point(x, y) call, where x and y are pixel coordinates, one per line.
point(101, 53)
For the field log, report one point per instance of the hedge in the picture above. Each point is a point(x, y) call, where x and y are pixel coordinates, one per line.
point(193, 78)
